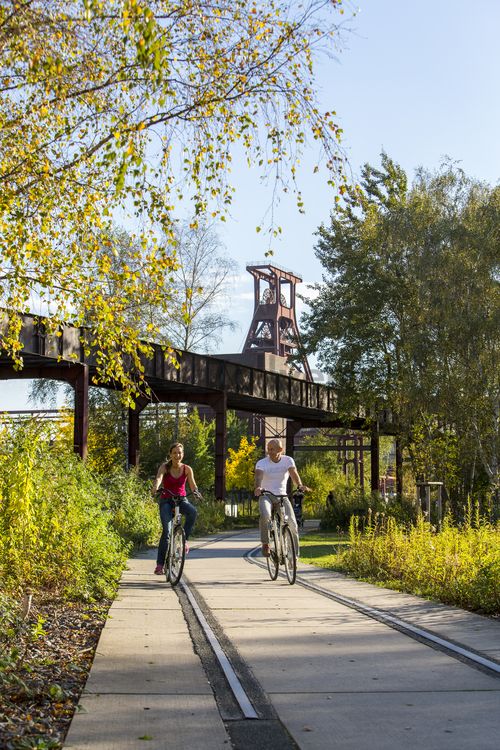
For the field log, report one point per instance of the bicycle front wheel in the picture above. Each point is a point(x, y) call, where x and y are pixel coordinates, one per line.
point(273, 559)
point(289, 555)
point(177, 556)
point(167, 565)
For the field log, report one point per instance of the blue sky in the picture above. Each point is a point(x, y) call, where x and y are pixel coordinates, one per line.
point(419, 80)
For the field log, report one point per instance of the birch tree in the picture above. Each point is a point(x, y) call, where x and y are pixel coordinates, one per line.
point(137, 106)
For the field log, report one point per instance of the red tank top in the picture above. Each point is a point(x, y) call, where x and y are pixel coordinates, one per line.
point(174, 485)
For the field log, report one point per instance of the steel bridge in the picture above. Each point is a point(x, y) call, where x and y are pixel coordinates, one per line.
point(197, 379)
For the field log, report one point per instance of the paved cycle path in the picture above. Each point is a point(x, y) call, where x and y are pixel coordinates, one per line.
point(335, 678)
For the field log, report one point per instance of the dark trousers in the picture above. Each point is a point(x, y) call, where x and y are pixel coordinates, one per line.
point(166, 515)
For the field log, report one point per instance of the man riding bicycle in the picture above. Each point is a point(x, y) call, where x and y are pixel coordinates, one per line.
point(271, 473)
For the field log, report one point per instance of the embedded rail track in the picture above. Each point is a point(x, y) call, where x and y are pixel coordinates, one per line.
point(245, 706)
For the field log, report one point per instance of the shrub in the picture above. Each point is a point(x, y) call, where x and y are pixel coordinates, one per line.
point(240, 465)
point(210, 516)
point(55, 531)
point(133, 512)
point(313, 475)
point(458, 565)
point(348, 500)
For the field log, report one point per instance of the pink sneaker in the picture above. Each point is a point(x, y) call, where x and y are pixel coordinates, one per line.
point(187, 548)
point(159, 570)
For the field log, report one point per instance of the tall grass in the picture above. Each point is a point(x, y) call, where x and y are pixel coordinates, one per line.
point(210, 516)
point(457, 565)
point(62, 529)
point(133, 512)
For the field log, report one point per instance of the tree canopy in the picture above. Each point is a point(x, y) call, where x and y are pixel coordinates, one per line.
point(408, 313)
point(136, 106)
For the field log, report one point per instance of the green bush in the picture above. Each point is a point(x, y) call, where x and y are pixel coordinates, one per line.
point(55, 530)
point(313, 475)
point(458, 565)
point(133, 512)
point(348, 500)
point(210, 516)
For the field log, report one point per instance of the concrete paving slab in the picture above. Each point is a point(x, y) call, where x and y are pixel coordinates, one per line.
point(159, 590)
point(161, 662)
point(137, 621)
point(362, 658)
point(151, 603)
point(391, 721)
point(155, 722)
point(148, 674)
point(146, 659)
point(476, 631)
point(336, 678)
point(284, 619)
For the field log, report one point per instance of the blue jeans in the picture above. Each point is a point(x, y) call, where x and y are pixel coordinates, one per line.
point(166, 515)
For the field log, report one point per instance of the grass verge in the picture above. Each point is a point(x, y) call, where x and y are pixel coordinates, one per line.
point(456, 566)
point(323, 549)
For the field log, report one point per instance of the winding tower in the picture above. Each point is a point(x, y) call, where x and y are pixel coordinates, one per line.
point(274, 329)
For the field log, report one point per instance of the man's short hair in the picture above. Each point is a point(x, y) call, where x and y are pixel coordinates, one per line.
point(275, 441)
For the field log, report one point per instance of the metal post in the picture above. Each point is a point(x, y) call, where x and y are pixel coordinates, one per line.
point(361, 464)
point(343, 443)
point(355, 459)
point(292, 428)
point(399, 469)
point(375, 461)
point(219, 404)
point(133, 432)
point(81, 411)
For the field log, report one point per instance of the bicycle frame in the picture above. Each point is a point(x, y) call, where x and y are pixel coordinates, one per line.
point(176, 549)
point(278, 521)
point(281, 539)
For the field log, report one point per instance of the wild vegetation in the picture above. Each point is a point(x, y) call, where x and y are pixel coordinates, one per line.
point(408, 317)
point(458, 565)
point(63, 528)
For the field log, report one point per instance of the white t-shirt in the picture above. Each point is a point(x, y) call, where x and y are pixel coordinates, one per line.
point(275, 473)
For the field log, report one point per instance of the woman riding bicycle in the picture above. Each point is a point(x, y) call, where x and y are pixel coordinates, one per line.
point(171, 482)
point(271, 473)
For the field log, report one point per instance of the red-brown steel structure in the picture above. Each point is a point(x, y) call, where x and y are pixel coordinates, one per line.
point(198, 379)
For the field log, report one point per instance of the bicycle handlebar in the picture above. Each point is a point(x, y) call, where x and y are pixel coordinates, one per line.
point(197, 494)
point(268, 492)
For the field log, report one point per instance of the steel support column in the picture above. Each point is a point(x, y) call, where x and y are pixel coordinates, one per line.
point(292, 428)
point(361, 461)
point(375, 461)
point(133, 432)
point(81, 411)
point(399, 468)
point(219, 404)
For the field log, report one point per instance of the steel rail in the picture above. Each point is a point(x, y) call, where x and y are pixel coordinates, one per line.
point(242, 698)
point(454, 649)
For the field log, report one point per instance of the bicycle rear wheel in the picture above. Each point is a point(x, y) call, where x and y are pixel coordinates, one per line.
point(177, 555)
point(273, 559)
point(289, 555)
